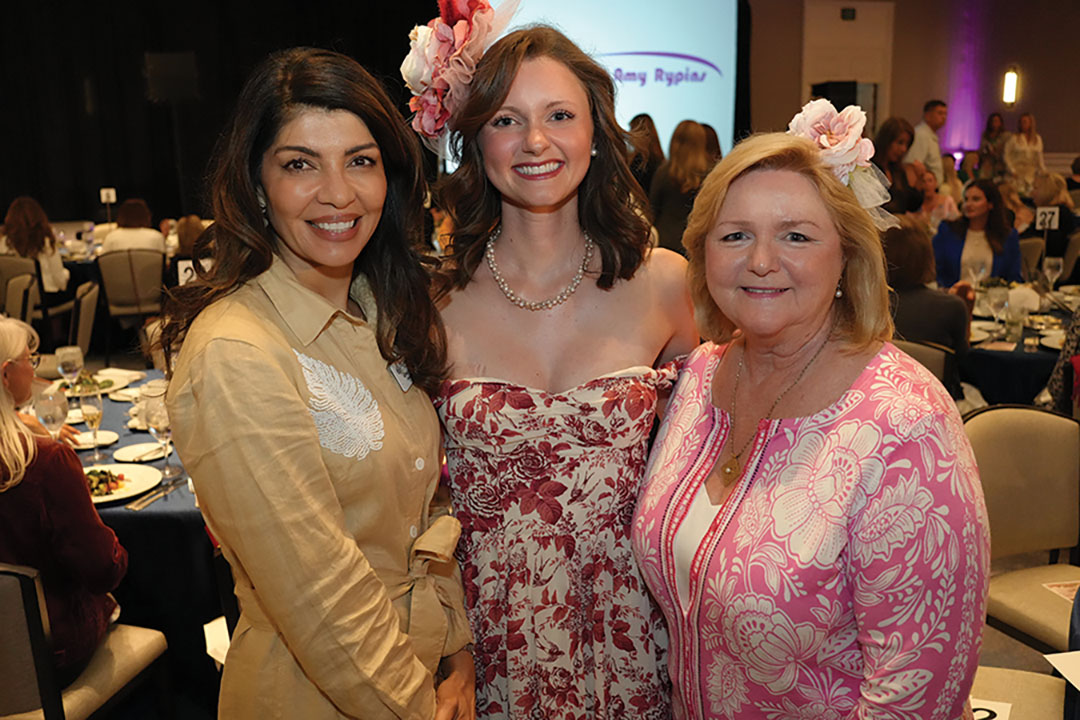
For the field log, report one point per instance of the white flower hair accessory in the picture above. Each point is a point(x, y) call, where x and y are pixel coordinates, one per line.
point(838, 135)
point(442, 59)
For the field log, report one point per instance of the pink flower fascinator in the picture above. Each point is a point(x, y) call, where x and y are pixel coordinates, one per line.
point(838, 136)
point(442, 59)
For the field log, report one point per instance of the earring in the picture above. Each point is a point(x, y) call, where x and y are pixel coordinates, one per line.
point(839, 292)
point(593, 151)
point(261, 199)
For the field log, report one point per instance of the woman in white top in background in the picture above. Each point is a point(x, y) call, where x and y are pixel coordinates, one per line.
point(30, 235)
point(1024, 154)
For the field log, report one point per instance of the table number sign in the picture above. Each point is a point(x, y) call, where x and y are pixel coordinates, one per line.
point(108, 196)
point(989, 710)
point(1046, 218)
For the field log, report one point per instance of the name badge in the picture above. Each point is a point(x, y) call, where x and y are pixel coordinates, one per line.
point(401, 374)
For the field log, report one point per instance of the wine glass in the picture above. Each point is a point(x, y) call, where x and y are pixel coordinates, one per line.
point(1052, 267)
point(998, 300)
point(978, 272)
point(69, 361)
point(91, 412)
point(157, 420)
point(51, 408)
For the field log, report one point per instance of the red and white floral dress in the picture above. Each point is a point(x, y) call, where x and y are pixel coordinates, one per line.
point(844, 577)
point(545, 485)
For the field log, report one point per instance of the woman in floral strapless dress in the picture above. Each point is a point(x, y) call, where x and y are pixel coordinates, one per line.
point(559, 324)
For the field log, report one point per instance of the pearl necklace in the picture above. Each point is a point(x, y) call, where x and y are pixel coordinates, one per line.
point(513, 297)
point(729, 471)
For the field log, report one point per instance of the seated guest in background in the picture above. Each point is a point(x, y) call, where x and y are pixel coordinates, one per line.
point(808, 476)
point(712, 144)
point(1050, 191)
point(647, 154)
point(968, 168)
point(891, 144)
point(188, 229)
point(925, 147)
point(921, 313)
point(992, 149)
point(30, 235)
point(1072, 182)
point(299, 408)
point(1024, 155)
point(978, 245)
point(134, 229)
point(936, 207)
point(1063, 380)
point(951, 185)
point(48, 521)
point(676, 182)
point(1017, 215)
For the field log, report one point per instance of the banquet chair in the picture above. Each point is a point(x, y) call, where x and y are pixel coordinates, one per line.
point(82, 316)
point(1031, 252)
point(1072, 252)
point(126, 658)
point(1033, 696)
point(1029, 463)
point(132, 283)
point(10, 266)
point(938, 359)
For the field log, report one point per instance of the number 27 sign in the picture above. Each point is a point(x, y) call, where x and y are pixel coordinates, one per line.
point(1046, 218)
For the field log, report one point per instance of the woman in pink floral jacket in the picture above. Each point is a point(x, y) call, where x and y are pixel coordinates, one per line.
point(812, 524)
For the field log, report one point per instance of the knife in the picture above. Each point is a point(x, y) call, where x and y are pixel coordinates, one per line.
point(153, 497)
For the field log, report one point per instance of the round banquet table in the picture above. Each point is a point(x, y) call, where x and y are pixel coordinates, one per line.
point(1009, 376)
point(170, 583)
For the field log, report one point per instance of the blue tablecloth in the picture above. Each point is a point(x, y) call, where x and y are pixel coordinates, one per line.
point(1009, 377)
point(170, 583)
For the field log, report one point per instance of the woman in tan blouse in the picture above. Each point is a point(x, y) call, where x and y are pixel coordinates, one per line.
point(299, 408)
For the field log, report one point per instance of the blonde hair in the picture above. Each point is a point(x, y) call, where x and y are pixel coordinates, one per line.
point(1050, 189)
point(862, 312)
point(17, 446)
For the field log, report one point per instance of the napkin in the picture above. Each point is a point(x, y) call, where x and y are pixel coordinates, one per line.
point(1024, 298)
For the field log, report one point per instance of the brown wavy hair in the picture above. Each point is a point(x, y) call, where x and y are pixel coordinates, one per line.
point(27, 227)
point(242, 245)
point(688, 157)
point(610, 200)
point(997, 227)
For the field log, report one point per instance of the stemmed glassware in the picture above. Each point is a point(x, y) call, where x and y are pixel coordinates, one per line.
point(69, 361)
point(998, 300)
point(1052, 267)
point(157, 420)
point(91, 412)
point(51, 408)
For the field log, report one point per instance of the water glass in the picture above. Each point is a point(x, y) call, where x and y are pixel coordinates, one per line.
point(69, 361)
point(156, 416)
point(51, 408)
point(1052, 267)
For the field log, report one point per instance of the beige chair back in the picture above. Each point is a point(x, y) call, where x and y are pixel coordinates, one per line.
point(934, 357)
point(22, 297)
point(25, 659)
point(1029, 462)
point(1072, 252)
point(10, 266)
point(1031, 252)
point(132, 280)
point(82, 318)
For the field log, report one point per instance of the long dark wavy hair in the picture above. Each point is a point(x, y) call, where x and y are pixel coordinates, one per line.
point(242, 245)
point(997, 229)
point(887, 134)
point(27, 227)
point(611, 203)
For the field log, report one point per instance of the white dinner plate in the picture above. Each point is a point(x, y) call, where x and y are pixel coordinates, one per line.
point(85, 440)
point(985, 325)
point(977, 335)
point(137, 480)
point(125, 395)
point(1054, 342)
point(141, 452)
point(1069, 289)
point(74, 416)
point(117, 383)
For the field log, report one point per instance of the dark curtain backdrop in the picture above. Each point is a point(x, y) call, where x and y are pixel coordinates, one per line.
point(76, 112)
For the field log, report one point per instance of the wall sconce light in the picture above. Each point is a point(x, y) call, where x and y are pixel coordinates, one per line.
point(1012, 79)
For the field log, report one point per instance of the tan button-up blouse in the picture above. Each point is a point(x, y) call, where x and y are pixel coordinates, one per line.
point(316, 472)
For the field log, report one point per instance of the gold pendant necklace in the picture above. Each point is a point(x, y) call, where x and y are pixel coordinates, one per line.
point(732, 469)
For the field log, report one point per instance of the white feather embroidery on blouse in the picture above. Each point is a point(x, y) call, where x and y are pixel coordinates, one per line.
point(346, 415)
